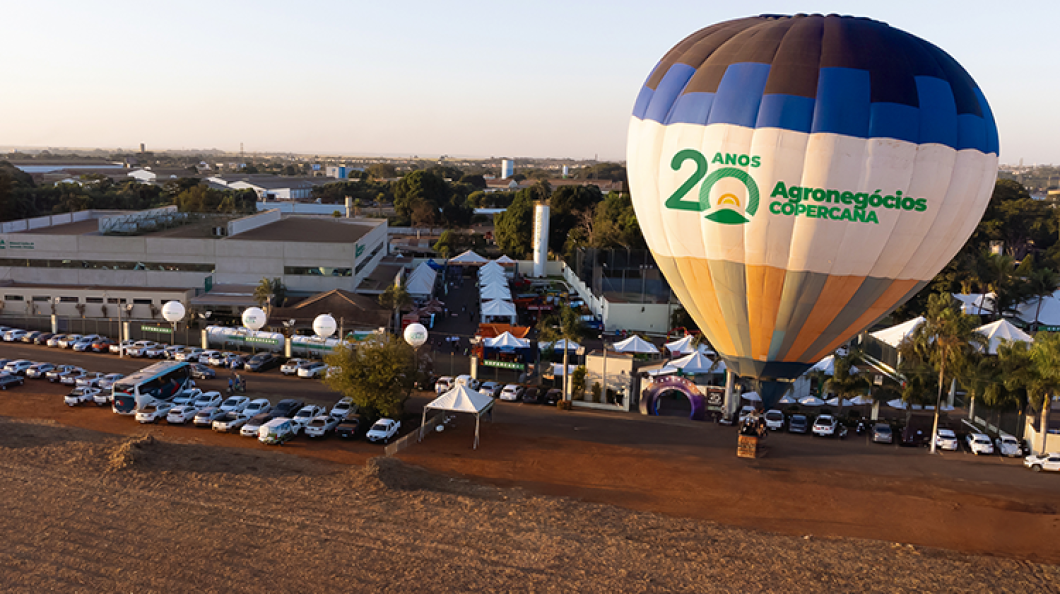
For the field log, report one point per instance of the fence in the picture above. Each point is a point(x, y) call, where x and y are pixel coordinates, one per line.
point(414, 436)
point(105, 327)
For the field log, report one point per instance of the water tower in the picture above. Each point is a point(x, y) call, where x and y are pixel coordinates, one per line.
point(540, 238)
point(507, 168)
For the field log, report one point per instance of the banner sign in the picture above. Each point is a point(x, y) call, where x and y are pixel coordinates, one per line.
point(504, 365)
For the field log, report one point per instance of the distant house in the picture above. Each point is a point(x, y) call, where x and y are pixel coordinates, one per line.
point(272, 187)
point(148, 175)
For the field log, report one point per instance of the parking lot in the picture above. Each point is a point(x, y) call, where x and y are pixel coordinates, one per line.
point(804, 485)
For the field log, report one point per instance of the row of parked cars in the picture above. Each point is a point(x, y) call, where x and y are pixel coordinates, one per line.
point(506, 392)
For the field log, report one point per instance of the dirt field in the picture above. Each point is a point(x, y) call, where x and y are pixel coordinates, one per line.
point(88, 512)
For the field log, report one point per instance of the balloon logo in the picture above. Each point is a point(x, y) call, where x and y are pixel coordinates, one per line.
point(835, 165)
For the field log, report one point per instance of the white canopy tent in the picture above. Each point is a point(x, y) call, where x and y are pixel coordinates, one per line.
point(468, 257)
point(695, 363)
point(495, 292)
point(505, 261)
point(787, 399)
point(811, 401)
point(1049, 314)
point(491, 265)
point(635, 344)
point(559, 345)
point(751, 397)
point(492, 276)
point(1002, 330)
point(896, 334)
point(421, 282)
point(506, 341)
point(977, 304)
point(687, 346)
point(498, 308)
point(460, 399)
point(861, 400)
point(835, 402)
point(827, 365)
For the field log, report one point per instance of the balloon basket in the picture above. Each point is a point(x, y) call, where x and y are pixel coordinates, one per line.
point(749, 446)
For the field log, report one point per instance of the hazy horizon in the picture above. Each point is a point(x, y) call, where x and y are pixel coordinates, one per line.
point(470, 79)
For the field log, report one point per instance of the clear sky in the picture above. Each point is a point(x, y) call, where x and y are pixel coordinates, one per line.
point(542, 79)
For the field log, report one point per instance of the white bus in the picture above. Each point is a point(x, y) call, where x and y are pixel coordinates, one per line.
point(159, 382)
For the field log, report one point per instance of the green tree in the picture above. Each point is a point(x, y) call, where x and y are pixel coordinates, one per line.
point(381, 171)
point(564, 324)
point(515, 225)
point(947, 340)
point(420, 190)
point(577, 383)
point(394, 298)
point(1045, 380)
point(1041, 283)
point(378, 374)
point(269, 293)
point(845, 381)
point(446, 244)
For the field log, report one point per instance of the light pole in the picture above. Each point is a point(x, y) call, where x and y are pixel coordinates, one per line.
point(205, 317)
point(644, 268)
point(603, 341)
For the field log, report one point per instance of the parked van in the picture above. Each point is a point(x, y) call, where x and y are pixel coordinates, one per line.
point(276, 431)
point(467, 380)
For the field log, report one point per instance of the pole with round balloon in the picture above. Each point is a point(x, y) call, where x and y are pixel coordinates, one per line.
point(173, 312)
point(324, 326)
point(254, 319)
point(416, 336)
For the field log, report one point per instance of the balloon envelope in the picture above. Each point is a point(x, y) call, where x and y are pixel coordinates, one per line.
point(254, 318)
point(798, 178)
point(415, 335)
point(324, 325)
point(173, 311)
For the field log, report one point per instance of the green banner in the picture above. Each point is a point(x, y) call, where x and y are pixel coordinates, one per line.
point(253, 339)
point(157, 329)
point(504, 365)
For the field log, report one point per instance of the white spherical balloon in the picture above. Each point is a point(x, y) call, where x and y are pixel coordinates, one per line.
point(173, 311)
point(415, 335)
point(254, 318)
point(324, 325)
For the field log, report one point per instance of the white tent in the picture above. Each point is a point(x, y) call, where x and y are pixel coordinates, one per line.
point(506, 341)
point(896, 334)
point(506, 261)
point(1002, 330)
point(491, 265)
point(811, 401)
point(897, 403)
point(751, 397)
point(559, 345)
point(460, 399)
point(694, 363)
point(557, 369)
point(495, 292)
point(1049, 314)
point(468, 257)
point(421, 281)
point(977, 304)
point(835, 402)
point(491, 276)
point(827, 365)
point(861, 399)
point(683, 346)
point(635, 344)
point(498, 308)
point(788, 399)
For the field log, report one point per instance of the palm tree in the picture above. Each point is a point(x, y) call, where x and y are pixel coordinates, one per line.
point(394, 298)
point(1041, 284)
point(1045, 355)
point(269, 292)
point(566, 324)
point(1001, 279)
point(947, 340)
point(844, 383)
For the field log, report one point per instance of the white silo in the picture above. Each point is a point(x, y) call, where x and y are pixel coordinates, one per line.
point(507, 168)
point(541, 214)
point(566, 172)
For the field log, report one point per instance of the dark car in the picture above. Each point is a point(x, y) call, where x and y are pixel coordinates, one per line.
point(261, 362)
point(200, 371)
point(553, 396)
point(798, 424)
point(8, 381)
point(31, 336)
point(43, 338)
point(351, 428)
point(531, 396)
point(917, 431)
point(287, 407)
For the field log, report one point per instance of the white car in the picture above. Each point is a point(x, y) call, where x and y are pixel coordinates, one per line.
point(120, 347)
point(321, 426)
point(171, 352)
point(104, 397)
point(1008, 446)
point(18, 367)
point(187, 396)
point(205, 417)
point(204, 357)
point(253, 424)
point(80, 395)
point(1043, 462)
point(511, 393)
point(68, 341)
point(302, 417)
point(774, 419)
point(312, 370)
point(230, 422)
point(291, 366)
point(745, 411)
point(39, 370)
point(946, 439)
point(85, 344)
point(216, 358)
point(89, 380)
point(189, 355)
point(257, 406)
point(70, 377)
point(491, 389)
point(468, 381)
point(138, 348)
point(208, 400)
point(155, 352)
point(153, 413)
point(383, 430)
point(54, 374)
point(53, 342)
point(14, 335)
point(180, 415)
point(443, 384)
point(107, 382)
point(343, 408)
point(235, 404)
point(825, 426)
point(979, 444)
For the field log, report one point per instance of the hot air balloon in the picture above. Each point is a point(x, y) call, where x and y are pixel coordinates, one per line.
point(799, 177)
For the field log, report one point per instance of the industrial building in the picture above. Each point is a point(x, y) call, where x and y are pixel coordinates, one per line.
point(78, 261)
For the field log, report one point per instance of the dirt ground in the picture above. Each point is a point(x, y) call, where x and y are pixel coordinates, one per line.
point(86, 511)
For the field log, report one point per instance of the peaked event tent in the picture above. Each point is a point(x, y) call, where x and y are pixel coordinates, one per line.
point(468, 257)
point(693, 364)
point(421, 281)
point(506, 341)
point(498, 308)
point(1049, 313)
point(896, 334)
point(976, 304)
point(1002, 330)
point(495, 292)
point(490, 266)
point(460, 399)
point(505, 260)
point(560, 345)
point(683, 346)
point(827, 365)
point(635, 344)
